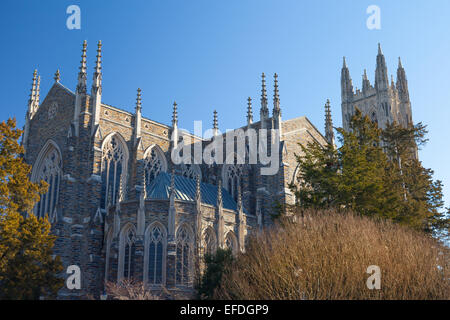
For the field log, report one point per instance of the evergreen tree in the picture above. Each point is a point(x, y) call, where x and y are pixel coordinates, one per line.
point(27, 268)
point(374, 173)
point(215, 266)
point(421, 196)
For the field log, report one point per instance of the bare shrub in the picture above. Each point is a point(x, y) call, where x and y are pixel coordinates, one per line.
point(325, 255)
point(138, 290)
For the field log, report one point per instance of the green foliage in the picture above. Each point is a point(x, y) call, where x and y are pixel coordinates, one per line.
point(215, 267)
point(374, 173)
point(27, 268)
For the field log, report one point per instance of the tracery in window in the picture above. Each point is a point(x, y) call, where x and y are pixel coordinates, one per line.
point(232, 176)
point(154, 163)
point(156, 254)
point(49, 170)
point(209, 241)
point(184, 256)
point(128, 246)
point(231, 242)
point(190, 171)
point(114, 163)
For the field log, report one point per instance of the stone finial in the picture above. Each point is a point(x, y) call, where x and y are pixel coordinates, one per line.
point(138, 100)
point(83, 65)
point(249, 111)
point(97, 83)
point(380, 52)
point(263, 88)
point(38, 92)
point(175, 114)
point(215, 123)
point(33, 87)
point(57, 76)
point(400, 66)
point(329, 134)
point(344, 64)
point(276, 96)
point(198, 193)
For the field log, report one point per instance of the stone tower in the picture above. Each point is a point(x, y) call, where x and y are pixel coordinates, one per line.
point(383, 102)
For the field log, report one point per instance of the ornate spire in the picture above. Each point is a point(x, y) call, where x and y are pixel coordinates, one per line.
point(175, 114)
point(249, 111)
point(344, 65)
point(264, 112)
point(83, 68)
point(98, 67)
point(215, 123)
point(329, 134)
point(219, 193)
point(97, 90)
point(82, 75)
point(365, 82)
point(138, 117)
point(57, 76)
point(198, 193)
point(239, 199)
point(400, 63)
point(38, 92)
point(381, 75)
point(276, 96)
point(33, 92)
point(138, 100)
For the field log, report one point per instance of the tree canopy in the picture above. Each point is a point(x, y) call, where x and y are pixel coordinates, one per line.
point(373, 173)
point(28, 270)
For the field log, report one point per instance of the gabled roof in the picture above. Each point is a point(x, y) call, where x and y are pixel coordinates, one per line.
point(185, 189)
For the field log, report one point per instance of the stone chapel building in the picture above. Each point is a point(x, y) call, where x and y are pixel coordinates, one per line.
point(120, 207)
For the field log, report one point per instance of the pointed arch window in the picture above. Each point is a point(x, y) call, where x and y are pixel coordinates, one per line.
point(114, 164)
point(184, 257)
point(128, 250)
point(156, 254)
point(209, 242)
point(154, 163)
point(231, 242)
point(50, 171)
point(232, 177)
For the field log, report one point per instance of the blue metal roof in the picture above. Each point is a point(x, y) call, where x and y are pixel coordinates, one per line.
point(185, 189)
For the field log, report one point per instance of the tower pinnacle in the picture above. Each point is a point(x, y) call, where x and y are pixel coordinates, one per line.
point(57, 76)
point(175, 114)
point(264, 111)
point(249, 111)
point(276, 97)
point(329, 134)
point(215, 124)
point(97, 89)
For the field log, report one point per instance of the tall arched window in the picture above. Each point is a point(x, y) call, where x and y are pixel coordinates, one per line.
point(184, 256)
point(127, 252)
point(232, 178)
point(114, 168)
point(231, 242)
point(154, 163)
point(49, 169)
point(209, 241)
point(156, 254)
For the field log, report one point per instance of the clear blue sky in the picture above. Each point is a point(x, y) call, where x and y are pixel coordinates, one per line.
point(209, 55)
